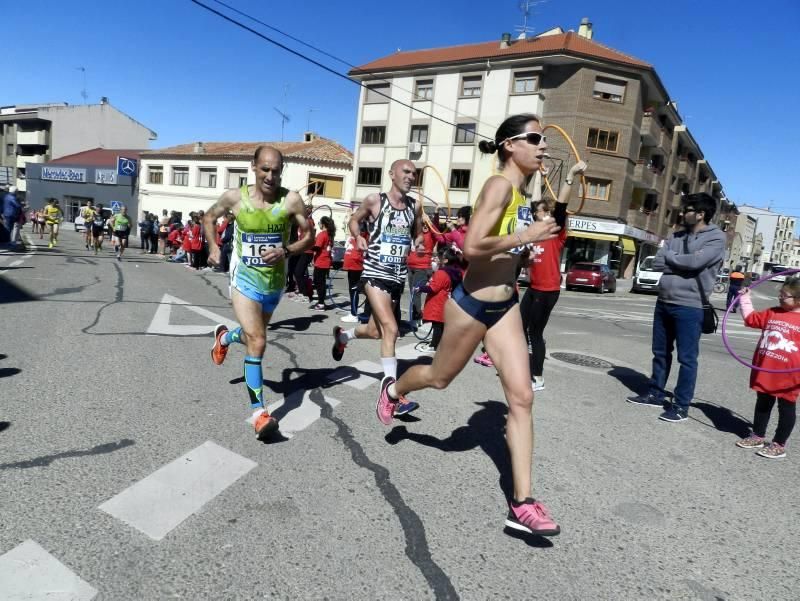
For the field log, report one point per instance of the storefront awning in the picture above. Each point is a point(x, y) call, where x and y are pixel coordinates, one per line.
point(593, 236)
point(628, 247)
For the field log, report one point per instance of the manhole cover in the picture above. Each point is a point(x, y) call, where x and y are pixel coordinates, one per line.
point(582, 360)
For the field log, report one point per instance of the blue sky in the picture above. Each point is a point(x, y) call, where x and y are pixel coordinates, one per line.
point(190, 76)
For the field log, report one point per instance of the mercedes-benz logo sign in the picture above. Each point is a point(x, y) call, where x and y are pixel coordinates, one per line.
point(127, 166)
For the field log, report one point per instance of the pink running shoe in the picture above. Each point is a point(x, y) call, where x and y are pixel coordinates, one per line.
point(532, 517)
point(385, 406)
point(484, 359)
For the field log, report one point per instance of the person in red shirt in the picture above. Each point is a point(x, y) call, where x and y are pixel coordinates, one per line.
point(187, 242)
point(438, 290)
point(456, 236)
point(323, 260)
point(545, 276)
point(778, 348)
point(305, 291)
point(419, 266)
point(353, 264)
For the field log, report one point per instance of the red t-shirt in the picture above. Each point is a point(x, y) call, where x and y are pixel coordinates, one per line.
point(323, 247)
point(778, 348)
point(545, 268)
point(311, 227)
point(353, 256)
point(187, 238)
point(422, 260)
point(195, 243)
point(440, 285)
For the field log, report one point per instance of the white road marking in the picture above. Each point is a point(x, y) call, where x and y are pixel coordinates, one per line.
point(29, 572)
point(15, 263)
point(409, 353)
point(297, 419)
point(363, 381)
point(161, 325)
point(161, 501)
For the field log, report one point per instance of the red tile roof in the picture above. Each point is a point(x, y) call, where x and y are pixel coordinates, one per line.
point(97, 157)
point(319, 149)
point(569, 43)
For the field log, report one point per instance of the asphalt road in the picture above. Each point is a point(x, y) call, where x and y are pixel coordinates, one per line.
point(128, 470)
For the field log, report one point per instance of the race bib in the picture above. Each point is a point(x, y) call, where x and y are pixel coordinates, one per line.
point(524, 219)
point(254, 244)
point(394, 249)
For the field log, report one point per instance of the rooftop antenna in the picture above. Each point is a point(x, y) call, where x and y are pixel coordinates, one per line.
point(284, 119)
point(525, 6)
point(84, 94)
point(308, 118)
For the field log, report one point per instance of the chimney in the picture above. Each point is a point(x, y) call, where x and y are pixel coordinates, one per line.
point(585, 29)
point(310, 136)
point(505, 40)
point(199, 148)
point(104, 100)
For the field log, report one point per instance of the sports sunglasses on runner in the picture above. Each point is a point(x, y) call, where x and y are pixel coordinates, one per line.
point(531, 137)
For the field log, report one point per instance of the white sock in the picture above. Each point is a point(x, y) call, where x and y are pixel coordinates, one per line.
point(389, 366)
point(346, 336)
point(392, 390)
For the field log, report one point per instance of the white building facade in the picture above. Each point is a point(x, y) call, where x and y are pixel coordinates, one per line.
point(191, 177)
point(778, 233)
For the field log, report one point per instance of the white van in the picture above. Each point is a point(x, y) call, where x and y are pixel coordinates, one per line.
point(646, 278)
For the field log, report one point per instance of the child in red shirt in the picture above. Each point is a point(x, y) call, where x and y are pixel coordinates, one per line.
point(323, 260)
point(778, 348)
point(438, 290)
point(353, 264)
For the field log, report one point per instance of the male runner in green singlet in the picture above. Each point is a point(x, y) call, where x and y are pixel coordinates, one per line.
point(263, 217)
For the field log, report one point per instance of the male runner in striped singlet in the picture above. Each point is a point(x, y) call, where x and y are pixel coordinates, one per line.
point(394, 225)
point(263, 216)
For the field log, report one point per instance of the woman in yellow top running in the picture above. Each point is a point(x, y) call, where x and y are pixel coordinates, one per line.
point(484, 308)
point(53, 217)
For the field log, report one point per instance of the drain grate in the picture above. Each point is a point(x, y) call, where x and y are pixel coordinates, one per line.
point(582, 360)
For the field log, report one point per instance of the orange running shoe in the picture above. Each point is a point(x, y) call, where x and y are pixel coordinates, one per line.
point(218, 351)
point(265, 425)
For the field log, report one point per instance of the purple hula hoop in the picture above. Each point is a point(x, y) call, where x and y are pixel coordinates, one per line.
point(725, 322)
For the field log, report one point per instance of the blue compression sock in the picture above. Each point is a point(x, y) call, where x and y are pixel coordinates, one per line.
point(232, 336)
point(254, 380)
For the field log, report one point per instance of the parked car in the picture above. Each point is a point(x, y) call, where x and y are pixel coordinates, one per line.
point(80, 223)
point(646, 278)
point(591, 275)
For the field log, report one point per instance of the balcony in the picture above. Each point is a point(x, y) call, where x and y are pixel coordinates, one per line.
point(638, 218)
point(686, 168)
point(29, 158)
point(647, 175)
point(32, 138)
point(650, 131)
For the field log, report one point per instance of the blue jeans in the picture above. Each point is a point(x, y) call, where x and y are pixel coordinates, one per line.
point(671, 324)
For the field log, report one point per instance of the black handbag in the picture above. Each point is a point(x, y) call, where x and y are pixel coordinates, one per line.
point(710, 319)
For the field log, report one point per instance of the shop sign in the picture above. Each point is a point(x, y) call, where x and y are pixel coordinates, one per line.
point(105, 176)
point(64, 174)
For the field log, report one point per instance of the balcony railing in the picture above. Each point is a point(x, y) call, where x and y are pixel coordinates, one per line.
point(650, 129)
point(35, 138)
point(29, 158)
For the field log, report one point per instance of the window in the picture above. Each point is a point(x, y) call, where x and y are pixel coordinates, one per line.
point(459, 179)
point(423, 89)
point(369, 176)
point(207, 177)
point(465, 133)
point(237, 178)
point(329, 186)
point(471, 86)
point(373, 134)
point(602, 139)
point(598, 189)
point(419, 133)
point(526, 82)
point(377, 92)
point(155, 174)
point(9, 149)
point(180, 176)
point(612, 90)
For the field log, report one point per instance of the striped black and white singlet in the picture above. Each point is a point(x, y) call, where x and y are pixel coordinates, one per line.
point(390, 238)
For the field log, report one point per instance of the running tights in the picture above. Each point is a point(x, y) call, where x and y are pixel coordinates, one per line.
point(535, 308)
point(353, 279)
point(438, 329)
point(321, 284)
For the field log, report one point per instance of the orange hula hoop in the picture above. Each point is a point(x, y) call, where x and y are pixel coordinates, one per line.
point(422, 198)
point(577, 158)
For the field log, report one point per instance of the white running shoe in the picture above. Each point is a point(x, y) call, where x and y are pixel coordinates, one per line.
point(350, 318)
point(537, 384)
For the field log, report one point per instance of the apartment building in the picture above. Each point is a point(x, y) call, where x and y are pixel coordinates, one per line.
point(641, 155)
point(38, 133)
point(740, 252)
point(777, 232)
point(191, 177)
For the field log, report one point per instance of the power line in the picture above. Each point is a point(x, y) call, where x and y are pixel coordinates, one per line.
point(326, 68)
point(340, 60)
